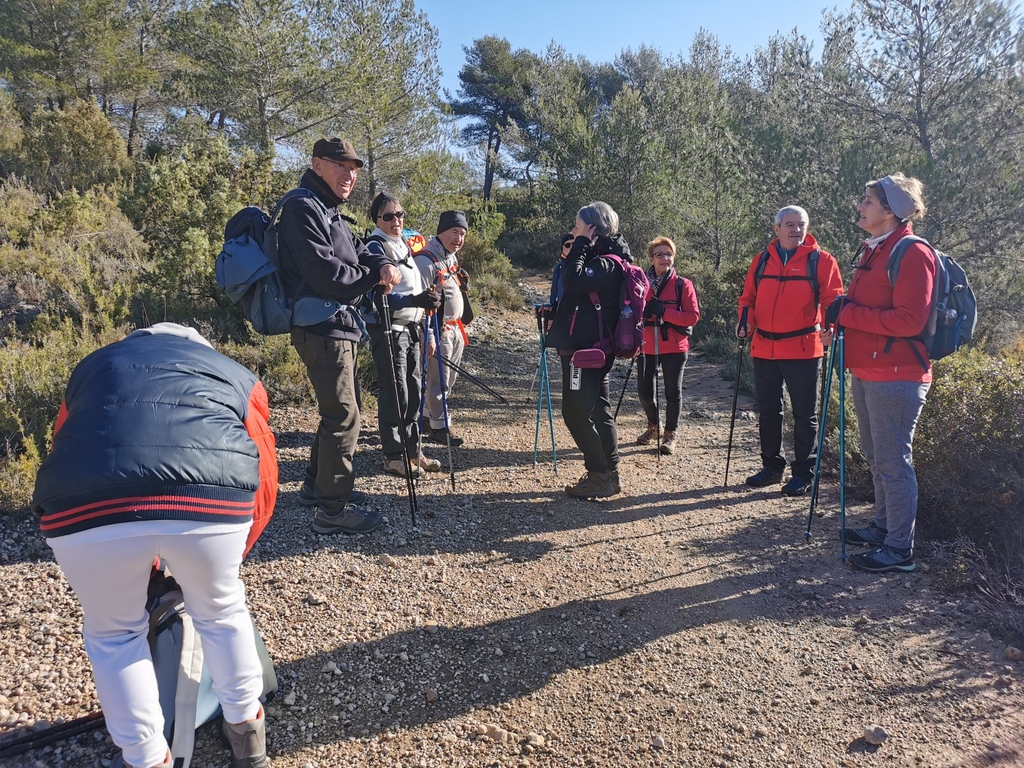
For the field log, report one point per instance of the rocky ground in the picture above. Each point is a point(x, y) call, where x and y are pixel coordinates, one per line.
point(679, 624)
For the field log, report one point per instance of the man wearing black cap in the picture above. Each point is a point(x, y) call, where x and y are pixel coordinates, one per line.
point(320, 257)
point(439, 266)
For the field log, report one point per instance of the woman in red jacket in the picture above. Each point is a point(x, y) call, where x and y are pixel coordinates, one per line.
point(889, 364)
point(671, 312)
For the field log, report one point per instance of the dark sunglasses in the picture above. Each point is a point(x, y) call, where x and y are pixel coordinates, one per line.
point(393, 215)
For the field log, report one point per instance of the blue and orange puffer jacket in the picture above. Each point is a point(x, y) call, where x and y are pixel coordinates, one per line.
point(158, 427)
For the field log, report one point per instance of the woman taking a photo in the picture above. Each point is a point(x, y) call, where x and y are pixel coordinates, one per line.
point(586, 405)
point(670, 313)
point(889, 364)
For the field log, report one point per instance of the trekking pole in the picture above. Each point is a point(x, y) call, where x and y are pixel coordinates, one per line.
point(842, 442)
point(657, 410)
point(741, 331)
point(410, 484)
point(622, 394)
point(822, 420)
point(551, 418)
point(53, 734)
point(444, 401)
point(423, 383)
point(474, 380)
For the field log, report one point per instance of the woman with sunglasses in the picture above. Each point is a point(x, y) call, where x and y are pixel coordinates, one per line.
point(888, 362)
point(671, 312)
point(407, 303)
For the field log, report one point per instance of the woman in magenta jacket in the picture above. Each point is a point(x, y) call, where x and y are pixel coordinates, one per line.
point(889, 364)
point(671, 312)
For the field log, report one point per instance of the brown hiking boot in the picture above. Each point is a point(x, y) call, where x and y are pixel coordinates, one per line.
point(648, 437)
point(593, 485)
point(248, 742)
point(668, 442)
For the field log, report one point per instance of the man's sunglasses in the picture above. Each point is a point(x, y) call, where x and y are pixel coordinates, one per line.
point(393, 215)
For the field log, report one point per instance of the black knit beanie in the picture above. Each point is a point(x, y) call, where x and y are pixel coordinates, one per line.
point(451, 219)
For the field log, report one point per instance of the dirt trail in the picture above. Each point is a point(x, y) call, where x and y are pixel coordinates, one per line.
point(679, 624)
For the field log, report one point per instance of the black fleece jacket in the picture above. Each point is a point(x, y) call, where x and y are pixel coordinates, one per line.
point(321, 257)
point(586, 270)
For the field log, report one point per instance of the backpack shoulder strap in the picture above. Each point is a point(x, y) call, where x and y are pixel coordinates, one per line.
point(812, 274)
point(892, 267)
point(761, 264)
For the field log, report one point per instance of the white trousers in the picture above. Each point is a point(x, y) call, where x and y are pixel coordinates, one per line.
point(452, 347)
point(110, 577)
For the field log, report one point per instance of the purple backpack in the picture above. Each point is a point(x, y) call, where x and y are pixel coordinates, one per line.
point(628, 337)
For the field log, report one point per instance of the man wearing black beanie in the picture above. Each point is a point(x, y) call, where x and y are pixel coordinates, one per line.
point(439, 266)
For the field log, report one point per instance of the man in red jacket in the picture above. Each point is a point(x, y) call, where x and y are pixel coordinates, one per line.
point(788, 288)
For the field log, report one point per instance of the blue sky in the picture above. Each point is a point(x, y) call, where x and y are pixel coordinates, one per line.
point(600, 29)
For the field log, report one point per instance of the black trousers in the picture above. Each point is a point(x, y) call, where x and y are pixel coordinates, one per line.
point(395, 419)
point(587, 412)
point(801, 378)
point(672, 366)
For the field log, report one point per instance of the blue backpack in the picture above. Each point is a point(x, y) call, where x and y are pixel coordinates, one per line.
point(248, 268)
point(954, 307)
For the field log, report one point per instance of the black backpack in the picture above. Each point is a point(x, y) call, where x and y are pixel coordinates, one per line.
point(811, 277)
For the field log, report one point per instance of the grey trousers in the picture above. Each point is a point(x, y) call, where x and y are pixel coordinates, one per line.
point(887, 413)
point(452, 346)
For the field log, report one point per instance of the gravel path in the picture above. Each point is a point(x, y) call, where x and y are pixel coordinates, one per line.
point(679, 624)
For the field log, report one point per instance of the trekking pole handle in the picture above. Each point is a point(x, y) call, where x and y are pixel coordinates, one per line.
point(741, 327)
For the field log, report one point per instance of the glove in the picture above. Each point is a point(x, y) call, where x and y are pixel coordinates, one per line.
point(463, 279)
point(654, 308)
point(426, 300)
point(832, 313)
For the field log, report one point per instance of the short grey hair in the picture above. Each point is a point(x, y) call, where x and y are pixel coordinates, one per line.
point(791, 209)
point(601, 217)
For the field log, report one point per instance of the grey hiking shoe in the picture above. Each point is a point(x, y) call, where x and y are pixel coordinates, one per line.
point(427, 464)
point(248, 742)
point(885, 559)
point(872, 536)
point(351, 520)
point(593, 485)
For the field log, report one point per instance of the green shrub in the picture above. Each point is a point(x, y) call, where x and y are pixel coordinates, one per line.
point(969, 454)
point(276, 362)
point(33, 376)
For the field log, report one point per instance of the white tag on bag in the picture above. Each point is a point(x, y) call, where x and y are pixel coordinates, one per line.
point(574, 377)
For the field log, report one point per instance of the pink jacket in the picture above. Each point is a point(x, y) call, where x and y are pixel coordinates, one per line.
point(678, 314)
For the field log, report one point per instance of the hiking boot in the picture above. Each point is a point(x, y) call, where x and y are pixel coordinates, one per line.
point(350, 520)
point(885, 559)
point(428, 464)
point(593, 485)
point(400, 468)
point(668, 442)
point(616, 483)
point(797, 486)
point(872, 536)
point(441, 436)
point(248, 742)
point(309, 500)
point(648, 437)
point(765, 477)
